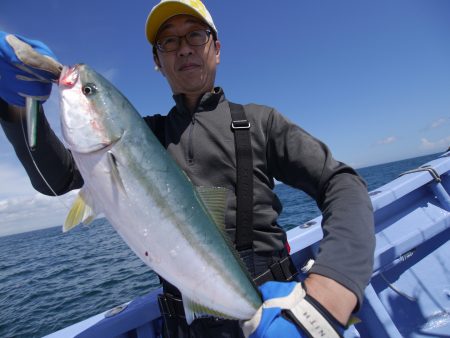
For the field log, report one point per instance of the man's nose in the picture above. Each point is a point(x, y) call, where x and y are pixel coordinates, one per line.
point(184, 48)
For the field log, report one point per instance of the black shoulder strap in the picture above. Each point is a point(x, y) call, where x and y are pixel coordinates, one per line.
point(244, 177)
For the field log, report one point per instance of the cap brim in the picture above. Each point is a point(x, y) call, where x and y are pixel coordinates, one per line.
point(162, 13)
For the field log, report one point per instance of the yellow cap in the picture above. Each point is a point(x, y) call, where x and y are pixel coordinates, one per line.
point(169, 8)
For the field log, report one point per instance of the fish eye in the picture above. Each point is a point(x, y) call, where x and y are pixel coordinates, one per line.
point(89, 89)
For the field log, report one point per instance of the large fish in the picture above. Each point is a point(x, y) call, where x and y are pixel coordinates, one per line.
point(130, 178)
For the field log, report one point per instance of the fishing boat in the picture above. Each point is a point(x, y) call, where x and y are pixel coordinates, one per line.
point(409, 293)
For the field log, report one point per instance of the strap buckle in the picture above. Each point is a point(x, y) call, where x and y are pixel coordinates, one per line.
point(240, 124)
point(282, 271)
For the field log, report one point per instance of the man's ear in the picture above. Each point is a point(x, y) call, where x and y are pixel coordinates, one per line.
point(217, 44)
point(158, 66)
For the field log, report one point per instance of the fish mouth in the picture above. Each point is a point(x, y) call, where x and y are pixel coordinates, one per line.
point(112, 142)
point(95, 148)
point(69, 76)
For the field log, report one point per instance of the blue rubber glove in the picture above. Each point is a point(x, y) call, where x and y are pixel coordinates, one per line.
point(288, 312)
point(27, 68)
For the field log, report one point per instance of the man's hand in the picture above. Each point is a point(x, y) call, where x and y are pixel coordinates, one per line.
point(27, 68)
point(337, 299)
point(288, 312)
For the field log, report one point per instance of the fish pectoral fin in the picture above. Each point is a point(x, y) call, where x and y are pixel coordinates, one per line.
point(194, 310)
point(115, 174)
point(82, 211)
point(215, 201)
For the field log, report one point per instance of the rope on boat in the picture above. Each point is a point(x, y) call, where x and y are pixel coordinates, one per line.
point(398, 291)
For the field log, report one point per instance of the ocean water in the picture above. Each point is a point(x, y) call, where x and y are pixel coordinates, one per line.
point(50, 280)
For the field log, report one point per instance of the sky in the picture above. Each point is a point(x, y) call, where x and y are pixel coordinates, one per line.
point(371, 79)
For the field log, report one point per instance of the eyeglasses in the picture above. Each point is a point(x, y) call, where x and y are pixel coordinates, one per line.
point(194, 38)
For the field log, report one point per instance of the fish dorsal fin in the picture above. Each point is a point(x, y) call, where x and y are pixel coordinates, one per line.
point(194, 310)
point(215, 201)
point(82, 211)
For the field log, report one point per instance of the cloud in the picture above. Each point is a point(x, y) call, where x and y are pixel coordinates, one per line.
point(21, 207)
point(21, 214)
point(438, 123)
point(387, 140)
point(15, 182)
point(439, 145)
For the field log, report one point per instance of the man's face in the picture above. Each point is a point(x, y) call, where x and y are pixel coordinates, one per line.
point(189, 69)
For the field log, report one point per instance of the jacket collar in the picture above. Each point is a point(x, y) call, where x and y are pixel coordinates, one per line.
point(208, 101)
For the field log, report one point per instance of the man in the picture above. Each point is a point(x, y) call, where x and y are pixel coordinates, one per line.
point(204, 132)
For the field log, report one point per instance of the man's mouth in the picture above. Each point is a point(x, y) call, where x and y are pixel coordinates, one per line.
point(188, 66)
